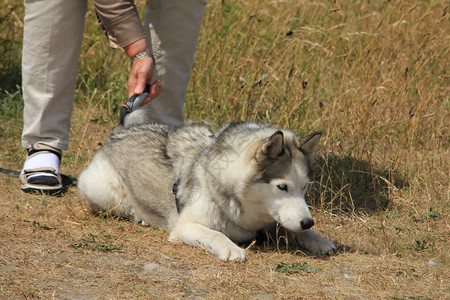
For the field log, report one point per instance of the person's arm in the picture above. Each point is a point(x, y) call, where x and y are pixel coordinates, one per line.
point(120, 21)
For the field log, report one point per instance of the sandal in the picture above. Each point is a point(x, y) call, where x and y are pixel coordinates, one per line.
point(34, 177)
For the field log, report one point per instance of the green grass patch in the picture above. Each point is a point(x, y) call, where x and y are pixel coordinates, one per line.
point(98, 243)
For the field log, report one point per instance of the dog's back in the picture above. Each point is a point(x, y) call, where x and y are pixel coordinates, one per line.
point(133, 175)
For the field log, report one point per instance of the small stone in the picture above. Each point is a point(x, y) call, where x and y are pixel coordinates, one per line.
point(150, 267)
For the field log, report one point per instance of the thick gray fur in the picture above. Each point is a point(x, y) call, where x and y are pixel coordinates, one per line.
point(219, 177)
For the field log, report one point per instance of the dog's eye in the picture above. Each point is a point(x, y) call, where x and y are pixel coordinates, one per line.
point(282, 187)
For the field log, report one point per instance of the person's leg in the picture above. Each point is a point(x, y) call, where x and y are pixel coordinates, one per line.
point(173, 27)
point(52, 37)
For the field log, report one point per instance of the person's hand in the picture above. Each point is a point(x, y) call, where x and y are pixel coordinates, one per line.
point(141, 72)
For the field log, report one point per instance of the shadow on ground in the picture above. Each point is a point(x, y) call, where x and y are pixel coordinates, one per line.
point(346, 184)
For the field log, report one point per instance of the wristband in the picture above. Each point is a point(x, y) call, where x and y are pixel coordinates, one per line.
point(142, 54)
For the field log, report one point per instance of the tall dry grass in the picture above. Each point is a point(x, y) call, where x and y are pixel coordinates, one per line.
point(373, 76)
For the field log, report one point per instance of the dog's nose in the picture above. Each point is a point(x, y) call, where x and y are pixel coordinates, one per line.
point(307, 223)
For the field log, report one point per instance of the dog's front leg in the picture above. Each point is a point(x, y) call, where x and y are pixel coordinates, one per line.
point(215, 242)
point(314, 243)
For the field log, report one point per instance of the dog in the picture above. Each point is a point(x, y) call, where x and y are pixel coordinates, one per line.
point(209, 190)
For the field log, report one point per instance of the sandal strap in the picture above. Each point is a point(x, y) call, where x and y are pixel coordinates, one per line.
point(33, 173)
point(41, 170)
point(39, 147)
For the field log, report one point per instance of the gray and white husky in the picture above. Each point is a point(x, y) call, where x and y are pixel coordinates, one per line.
point(227, 185)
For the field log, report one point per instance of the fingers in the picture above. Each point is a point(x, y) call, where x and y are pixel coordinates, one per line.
point(155, 90)
point(141, 74)
point(141, 81)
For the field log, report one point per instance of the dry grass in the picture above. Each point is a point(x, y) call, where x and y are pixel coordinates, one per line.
point(372, 75)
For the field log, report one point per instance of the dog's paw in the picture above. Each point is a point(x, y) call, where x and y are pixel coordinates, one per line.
point(320, 246)
point(231, 253)
point(316, 244)
point(213, 242)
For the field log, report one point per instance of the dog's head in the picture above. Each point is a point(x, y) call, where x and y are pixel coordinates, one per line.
point(283, 169)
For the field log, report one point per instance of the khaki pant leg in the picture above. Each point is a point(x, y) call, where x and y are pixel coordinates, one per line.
point(53, 31)
point(173, 28)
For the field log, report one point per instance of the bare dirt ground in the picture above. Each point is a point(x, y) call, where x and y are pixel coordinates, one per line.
point(53, 247)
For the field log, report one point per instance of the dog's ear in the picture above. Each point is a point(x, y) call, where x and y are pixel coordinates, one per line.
point(272, 147)
point(308, 145)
